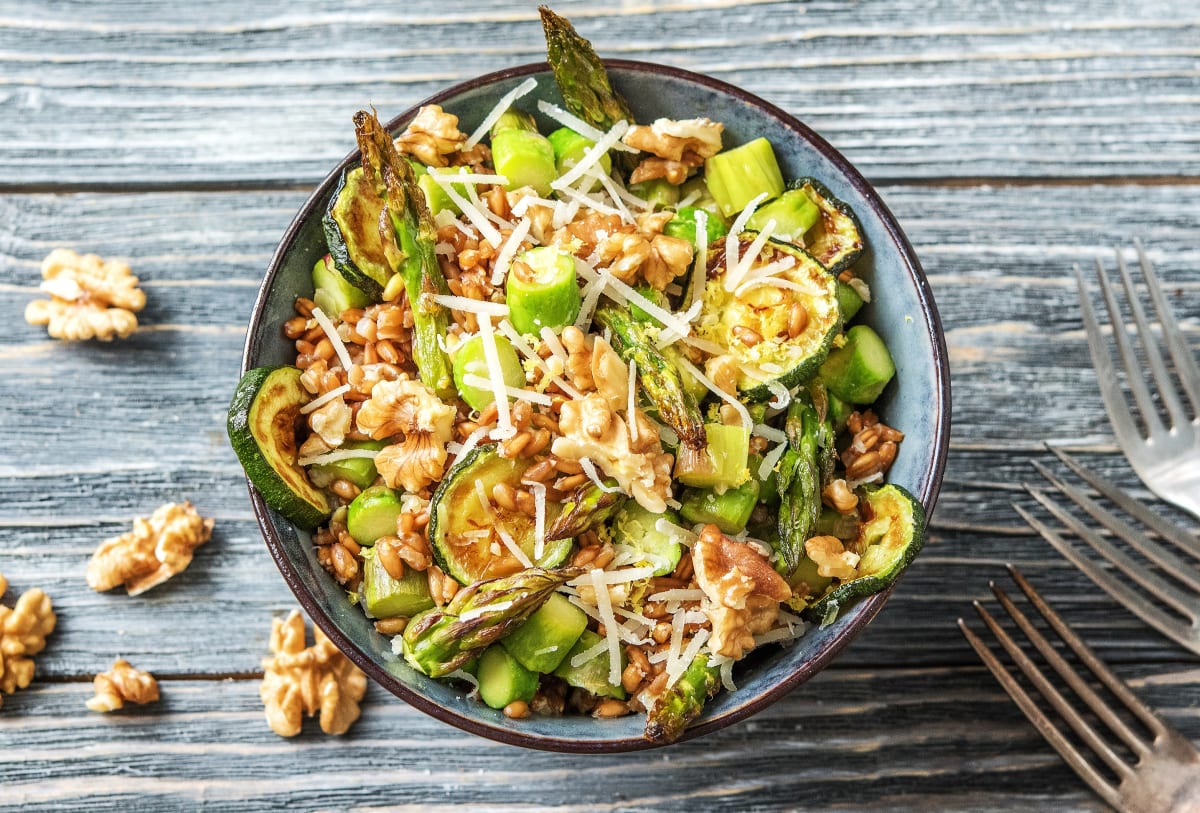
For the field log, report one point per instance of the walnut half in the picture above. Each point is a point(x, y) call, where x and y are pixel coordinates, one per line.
point(89, 298)
point(120, 685)
point(742, 591)
point(23, 631)
point(301, 681)
point(155, 550)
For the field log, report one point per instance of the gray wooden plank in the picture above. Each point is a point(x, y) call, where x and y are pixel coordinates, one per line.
point(855, 739)
point(189, 94)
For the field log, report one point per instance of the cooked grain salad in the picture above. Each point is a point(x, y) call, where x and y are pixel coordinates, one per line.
point(581, 416)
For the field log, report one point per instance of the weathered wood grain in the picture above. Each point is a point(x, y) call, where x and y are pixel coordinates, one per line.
point(129, 93)
point(850, 739)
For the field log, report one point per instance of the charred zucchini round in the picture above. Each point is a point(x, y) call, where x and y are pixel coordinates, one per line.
point(890, 535)
point(351, 224)
point(754, 321)
point(467, 536)
point(836, 239)
point(263, 418)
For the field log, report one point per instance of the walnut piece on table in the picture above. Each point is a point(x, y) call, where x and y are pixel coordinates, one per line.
point(89, 298)
point(120, 685)
point(23, 631)
point(301, 681)
point(155, 550)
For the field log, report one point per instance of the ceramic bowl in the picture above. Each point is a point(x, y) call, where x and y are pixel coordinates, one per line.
point(903, 313)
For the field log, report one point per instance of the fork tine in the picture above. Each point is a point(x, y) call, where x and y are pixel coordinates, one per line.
point(1151, 581)
point(1124, 428)
point(1166, 389)
point(1046, 689)
point(1129, 505)
point(1041, 722)
point(1133, 601)
point(1085, 654)
point(1133, 376)
point(1077, 684)
point(1185, 361)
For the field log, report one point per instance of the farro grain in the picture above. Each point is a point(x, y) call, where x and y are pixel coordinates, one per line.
point(611, 708)
point(570, 483)
point(505, 496)
point(391, 626)
point(747, 336)
point(385, 549)
point(304, 306)
point(295, 327)
point(517, 710)
point(797, 320)
point(345, 489)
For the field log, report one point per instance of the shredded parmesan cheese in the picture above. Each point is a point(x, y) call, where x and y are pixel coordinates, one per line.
point(518, 341)
point(700, 268)
point(781, 397)
point(496, 375)
point(771, 460)
point(469, 444)
point(317, 403)
point(511, 246)
point(604, 605)
point(496, 112)
point(485, 501)
point(675, 648)
point(631, 407)
point(466, 305)
point(732, 244)
point(592, 156)
point(769, 432)
point(666, 318)
point(685, 660)
point(677, 594)
point(735, 273)
point(513, 548)
point(590, 470)
point(476, 612)
point(742, 412)
point(589, 653)
point(337, 455)
point(338, 346)
point(539, 518)
point(478, 381)
point(473, 213)
point(577, 124)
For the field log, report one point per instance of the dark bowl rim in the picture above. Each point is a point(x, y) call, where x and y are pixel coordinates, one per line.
point(869, 607)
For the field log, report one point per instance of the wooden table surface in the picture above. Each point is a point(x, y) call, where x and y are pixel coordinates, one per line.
point(1012, 139)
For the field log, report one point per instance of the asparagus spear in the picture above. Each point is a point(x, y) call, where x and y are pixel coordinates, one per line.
point(408, 216)
point(440, 640)
point(799, 481)
point(660, 378)
point(683, 702)
point(582, 79)
point(588, 507)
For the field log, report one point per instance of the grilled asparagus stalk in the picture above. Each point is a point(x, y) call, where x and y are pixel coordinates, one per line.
point(660, 378)
point(417, 266)
point(582, 79)
point(588, 507)
point(683, 702)
point(440, 640)
point(799, 481)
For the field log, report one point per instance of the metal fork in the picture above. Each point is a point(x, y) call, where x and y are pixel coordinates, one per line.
point(1181, 626)
point(1166, 773)
point(1167, 458)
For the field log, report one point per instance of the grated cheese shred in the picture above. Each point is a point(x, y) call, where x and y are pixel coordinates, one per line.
point(317, 403)
point(604, 605)
point(511, 246)
point(338, 346)
point(496, 112)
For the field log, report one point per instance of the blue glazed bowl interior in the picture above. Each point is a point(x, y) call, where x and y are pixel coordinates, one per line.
point(903, 313)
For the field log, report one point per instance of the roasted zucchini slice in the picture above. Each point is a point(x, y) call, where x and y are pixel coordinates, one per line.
point(891, 532)
point(467, 537)
point(836, 239)
point(752, 321)
point(351, 224)
point(263, 418)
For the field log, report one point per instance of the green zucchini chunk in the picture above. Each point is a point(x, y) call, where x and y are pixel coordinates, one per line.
point(543, 640)
point(373, 514)
point(836, 240)
point(502, 678)
point(351, 224)
point(465, 534)
point(858, 371)
point(761, 315)
point(386, 597)
point(263, 417)
point(332, 292)
point(890, 535)
point(592, 674)
point(634, 527)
